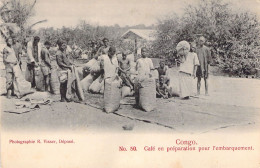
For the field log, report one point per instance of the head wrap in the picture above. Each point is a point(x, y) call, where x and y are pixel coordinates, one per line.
point(183, 45)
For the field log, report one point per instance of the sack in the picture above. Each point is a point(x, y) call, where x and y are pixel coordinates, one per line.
point(21, 86)
point(80, 72)
point(28, 74)
point(86, 82)
point(112, 94)
point(95, 87)
point(126, 91)
point(79, 89)
point(102, 88)
point(39, 79)
point(63, 76)
point(147, 94)
point(54, 82)
point(95, 67)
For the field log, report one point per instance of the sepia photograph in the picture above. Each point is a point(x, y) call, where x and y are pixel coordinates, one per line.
point(74, 71)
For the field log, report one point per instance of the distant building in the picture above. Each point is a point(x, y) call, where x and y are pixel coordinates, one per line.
point(139, 37)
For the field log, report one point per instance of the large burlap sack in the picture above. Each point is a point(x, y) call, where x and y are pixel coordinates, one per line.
point(79, 89)
point(102, 88)
point(28, 74)
point(39, 79)
point(54, 82)
point(126, 91)
point(93, 65)
point(96, 86)
point(21, 86)
point(86, 82)
point(80, 72)
point(147, 94)
point(112, 94)
point(89, 63)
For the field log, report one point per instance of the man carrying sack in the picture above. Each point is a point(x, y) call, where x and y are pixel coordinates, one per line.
point(68, 75)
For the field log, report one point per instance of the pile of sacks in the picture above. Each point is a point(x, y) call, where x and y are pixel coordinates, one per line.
point(113, 89)
point(93, 82)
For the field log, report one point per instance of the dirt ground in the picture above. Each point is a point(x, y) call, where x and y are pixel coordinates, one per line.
point(233, 105)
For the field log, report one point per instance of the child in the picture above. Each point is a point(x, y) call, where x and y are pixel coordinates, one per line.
point(162, 87)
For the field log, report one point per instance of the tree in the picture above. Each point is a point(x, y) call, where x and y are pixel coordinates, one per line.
point(233, 36)
point(17, 12)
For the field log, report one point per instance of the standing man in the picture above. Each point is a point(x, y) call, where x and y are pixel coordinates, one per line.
point(46, 64)
point(34, 59)
point(109, 63)
point(124, 68)
point(65, 65)
point(204, 56)
point(104, 49)
point(144, 66)
point(10, 61)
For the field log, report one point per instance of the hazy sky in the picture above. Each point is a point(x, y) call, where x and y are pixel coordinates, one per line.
point(109, 12)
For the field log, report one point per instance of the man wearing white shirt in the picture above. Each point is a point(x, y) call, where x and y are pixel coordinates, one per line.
point(109, 63)
point(144, 66)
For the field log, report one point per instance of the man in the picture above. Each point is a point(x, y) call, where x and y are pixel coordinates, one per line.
point(144, 66)
point(10, 61)
point(34, 59)
point(65, 65)
point(17, 46)
point(204, 56)
point(162, 69)
point(46, 64)
point(109, 63)
point(124, 68)
point(104, 49)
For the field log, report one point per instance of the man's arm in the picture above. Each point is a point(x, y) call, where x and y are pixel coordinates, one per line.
point(60, 62)
point(47, 58)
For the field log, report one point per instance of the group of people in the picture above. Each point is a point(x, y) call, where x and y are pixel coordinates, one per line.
point(194, 60)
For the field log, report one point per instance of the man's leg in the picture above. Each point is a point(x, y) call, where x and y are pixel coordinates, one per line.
point(198, 85)
point(63, 91)
point(206, 86)
point(33, 77)
point(136, 88)
point(9, 84)
point(128, 81)
point(47, 82)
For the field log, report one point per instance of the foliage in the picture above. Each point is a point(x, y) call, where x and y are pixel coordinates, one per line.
point(18, 12)
point(85, 33)
point(233, 36)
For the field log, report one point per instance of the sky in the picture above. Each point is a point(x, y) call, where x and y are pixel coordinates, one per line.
point(109, 12)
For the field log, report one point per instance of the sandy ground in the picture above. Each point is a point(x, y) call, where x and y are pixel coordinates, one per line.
point(233, 105)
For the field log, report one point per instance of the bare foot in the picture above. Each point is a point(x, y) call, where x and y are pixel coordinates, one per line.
point(206, 94)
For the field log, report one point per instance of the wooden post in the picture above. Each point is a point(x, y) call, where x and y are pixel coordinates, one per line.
point(135, 47)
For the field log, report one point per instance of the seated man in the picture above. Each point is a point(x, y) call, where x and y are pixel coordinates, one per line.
point(124, 71)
